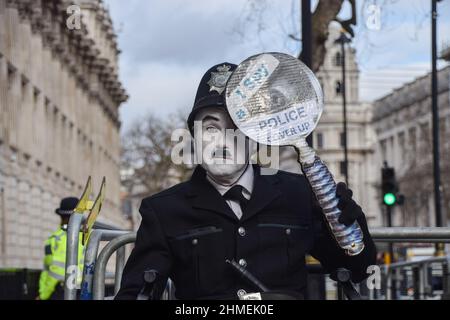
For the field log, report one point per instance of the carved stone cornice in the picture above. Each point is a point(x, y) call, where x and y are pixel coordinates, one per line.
point(74, 48)
point(413, 93)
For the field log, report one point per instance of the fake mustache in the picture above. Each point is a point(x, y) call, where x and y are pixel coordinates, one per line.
point(222, 153)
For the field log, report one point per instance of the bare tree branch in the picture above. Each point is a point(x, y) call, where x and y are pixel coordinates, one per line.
point(146, 154)
point(416, 183)
point(326, 11)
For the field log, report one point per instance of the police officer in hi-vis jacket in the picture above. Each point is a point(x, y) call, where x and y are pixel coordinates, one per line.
point(51, 281)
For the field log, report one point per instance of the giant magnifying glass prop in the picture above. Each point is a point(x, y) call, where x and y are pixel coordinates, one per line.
point(274, 99)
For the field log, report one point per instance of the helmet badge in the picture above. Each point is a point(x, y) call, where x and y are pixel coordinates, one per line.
point(219, 79)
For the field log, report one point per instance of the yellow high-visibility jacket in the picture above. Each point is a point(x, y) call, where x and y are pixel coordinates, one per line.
point(55, 263)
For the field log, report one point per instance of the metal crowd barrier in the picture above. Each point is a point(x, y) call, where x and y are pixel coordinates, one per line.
point(411, 234)
point(391, 274)
point(90, 259)
point(73, 237)
point(394, 234)
point(90, 256)
point(100, 267)
point(420, 278)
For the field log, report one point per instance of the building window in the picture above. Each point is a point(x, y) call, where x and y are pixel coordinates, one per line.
point(383, 148)
point(401, 143)
point(36, 93)
point(320, 81)
point(412, 140)
point(10, 76)
point(342, 140)
point(338, 59)
point(24, 86)
point(319, 137)
point(342, 168)
point(322, 86)
point(338, 88)
point(425, 137)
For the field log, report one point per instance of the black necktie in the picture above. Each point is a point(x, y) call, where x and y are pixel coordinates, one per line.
point(235, 193)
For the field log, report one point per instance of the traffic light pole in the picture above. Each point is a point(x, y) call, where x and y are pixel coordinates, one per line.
point(391, 253)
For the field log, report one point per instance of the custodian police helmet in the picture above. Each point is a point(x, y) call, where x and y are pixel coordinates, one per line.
point(67, 206)
point(211, 90)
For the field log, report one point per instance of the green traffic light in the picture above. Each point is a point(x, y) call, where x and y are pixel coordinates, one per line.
point(390, 199)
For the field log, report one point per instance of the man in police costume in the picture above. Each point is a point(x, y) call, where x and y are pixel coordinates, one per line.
point(266, 224)
point(51, 281)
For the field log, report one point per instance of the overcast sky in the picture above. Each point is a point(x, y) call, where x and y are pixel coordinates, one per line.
point(167, 45)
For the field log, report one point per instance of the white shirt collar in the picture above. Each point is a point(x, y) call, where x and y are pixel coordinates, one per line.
point(246, 181)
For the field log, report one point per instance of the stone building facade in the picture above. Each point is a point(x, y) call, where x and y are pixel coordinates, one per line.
point(59, 123)
point(403, 124)
point(327, 137)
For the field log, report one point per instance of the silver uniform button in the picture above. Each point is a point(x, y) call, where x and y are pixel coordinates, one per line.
point(241, 231)
point(288, 231)
point(241, 292)
point(194, 242)
point(242, 263)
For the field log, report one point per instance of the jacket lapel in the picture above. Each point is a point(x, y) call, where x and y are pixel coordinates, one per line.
point(202, 195)
point(264, 192)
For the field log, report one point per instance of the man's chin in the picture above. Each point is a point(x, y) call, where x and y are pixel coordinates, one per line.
point(223, 170)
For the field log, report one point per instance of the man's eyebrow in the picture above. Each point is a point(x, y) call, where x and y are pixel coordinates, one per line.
point(210, 118)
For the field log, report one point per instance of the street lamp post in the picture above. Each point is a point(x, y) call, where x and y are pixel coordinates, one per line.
point(306, 55)
point(342, 40)
point(435, 112)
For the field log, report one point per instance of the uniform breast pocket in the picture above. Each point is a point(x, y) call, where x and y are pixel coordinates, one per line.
point(283, 242)
point(199, 252)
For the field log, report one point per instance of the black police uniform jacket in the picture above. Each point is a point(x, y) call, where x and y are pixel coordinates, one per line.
point(188, 232)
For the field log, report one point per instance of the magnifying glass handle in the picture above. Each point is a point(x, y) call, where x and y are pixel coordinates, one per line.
point(349, 238)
